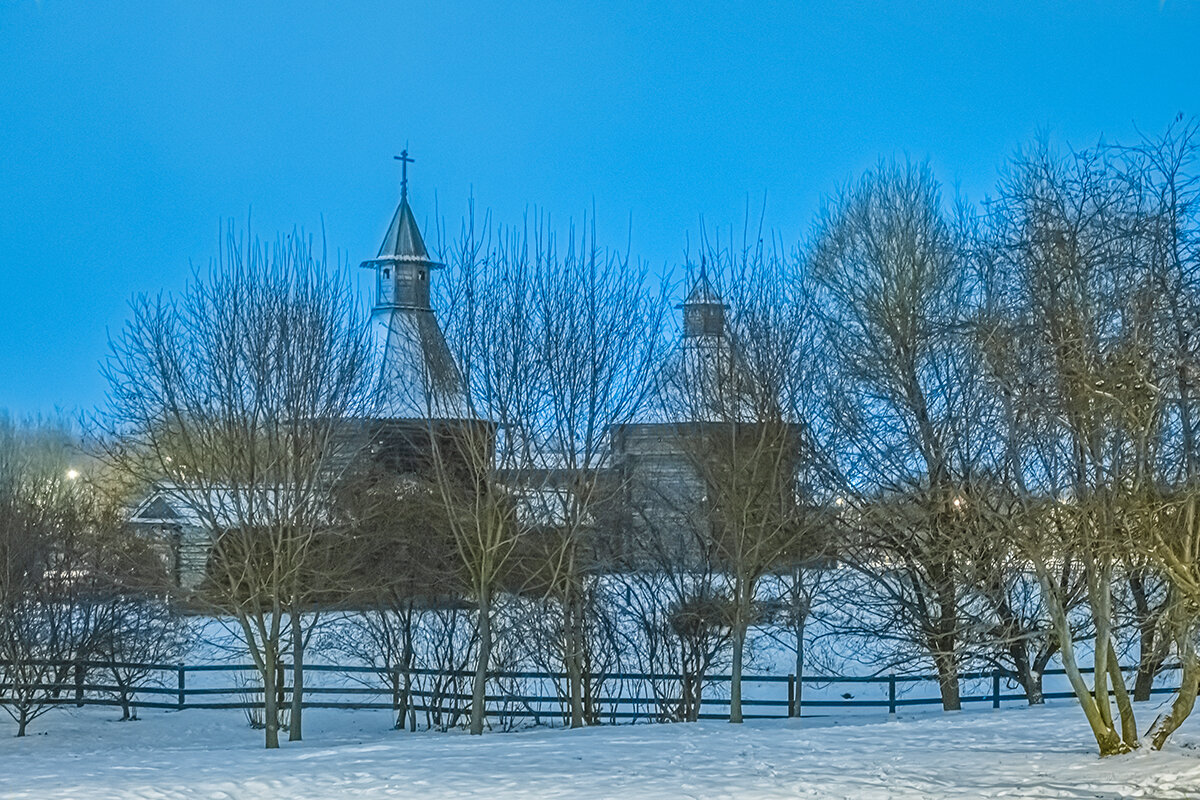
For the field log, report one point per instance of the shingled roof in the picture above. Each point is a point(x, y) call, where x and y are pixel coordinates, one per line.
point(403, 241)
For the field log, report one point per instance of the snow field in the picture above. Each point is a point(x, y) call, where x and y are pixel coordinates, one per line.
point(1042, 752)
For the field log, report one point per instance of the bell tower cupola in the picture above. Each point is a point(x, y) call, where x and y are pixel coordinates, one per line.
point(403, 267)
point(703, 309)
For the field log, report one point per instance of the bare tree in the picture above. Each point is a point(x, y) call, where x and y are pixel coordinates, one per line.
point(492, 332)
point(599, 338)
point(796, 599)
point(134, 632)
point(1019, 632)
point(675, 619)
point(746, 402)
point(893, 297)
point(1159, 394)
point(45, 543)
point(1078, 306)
point(234, 399)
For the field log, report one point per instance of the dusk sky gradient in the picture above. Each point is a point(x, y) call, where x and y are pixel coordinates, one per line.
point(129, 130)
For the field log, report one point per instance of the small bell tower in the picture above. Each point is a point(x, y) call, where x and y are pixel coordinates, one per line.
point(418, 378)
point(703, 309)
point(403, 267)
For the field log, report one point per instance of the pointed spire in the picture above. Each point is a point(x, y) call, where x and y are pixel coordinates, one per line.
point(702, 292)
point(403, 241)
point(418, 374)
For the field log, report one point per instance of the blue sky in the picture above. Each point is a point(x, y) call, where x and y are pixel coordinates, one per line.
point(128, 131)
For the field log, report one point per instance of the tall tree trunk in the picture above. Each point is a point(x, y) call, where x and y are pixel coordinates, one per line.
point(735, 679)
point(270, 700)
point(740, 622)
point(295, 726)
point(1030, 679)
point(1107, 738)
point(406, 659)
point(573, 640)
point(799, 630)
point(1129, 732)
point(1150, 663)
point(1014, 632)
point(691, 697)
point(479, 684)
point(1040, 662)
point(947, 675)
point(22, 721)
point(1153, 643)
point(1031, 682)
point(1143, 681)
point(1101, 617)
point(945, 644)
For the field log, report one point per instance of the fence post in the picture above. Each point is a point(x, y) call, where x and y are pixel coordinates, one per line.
point(182, 670)
point(995, 688)
point(791, 711)
point(79, 684)
point(891, 696)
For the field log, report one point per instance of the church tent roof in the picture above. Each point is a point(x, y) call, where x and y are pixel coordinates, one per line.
point(419, 378)
point(703, 293)
point(403, 241)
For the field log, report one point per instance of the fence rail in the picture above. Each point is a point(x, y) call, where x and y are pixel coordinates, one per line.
point(644, 700)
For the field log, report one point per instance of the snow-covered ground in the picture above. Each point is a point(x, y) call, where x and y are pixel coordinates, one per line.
point(1013, 753)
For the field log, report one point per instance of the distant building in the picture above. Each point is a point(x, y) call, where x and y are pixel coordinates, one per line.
point(671, 460)
point(664, 490)
point(419, 393)
point(654, 488)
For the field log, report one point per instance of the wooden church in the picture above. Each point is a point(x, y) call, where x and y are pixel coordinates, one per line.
point(419, 394)
point(662, 489)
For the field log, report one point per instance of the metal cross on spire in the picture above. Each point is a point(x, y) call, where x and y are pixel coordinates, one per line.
point(404, 162)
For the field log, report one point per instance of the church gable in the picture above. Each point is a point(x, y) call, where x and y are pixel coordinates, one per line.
point(156, 510)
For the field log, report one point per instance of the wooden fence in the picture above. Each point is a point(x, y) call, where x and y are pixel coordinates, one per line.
point(538, 695)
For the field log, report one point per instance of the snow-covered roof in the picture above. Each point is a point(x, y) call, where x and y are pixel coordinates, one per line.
point(418, 378)
point(403, 241)
point(223, 507)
